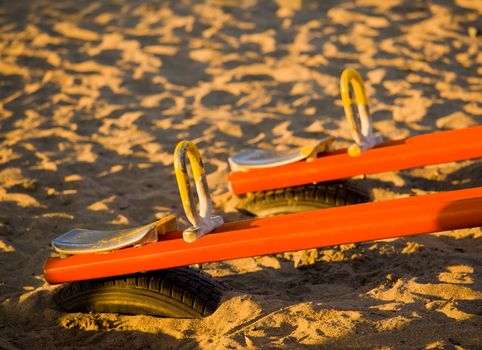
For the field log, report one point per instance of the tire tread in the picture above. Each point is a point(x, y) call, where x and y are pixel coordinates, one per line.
point(182, 292)
point(301, 198)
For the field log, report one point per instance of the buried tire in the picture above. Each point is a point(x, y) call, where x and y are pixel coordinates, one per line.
point(179, 292)
point(301, 198)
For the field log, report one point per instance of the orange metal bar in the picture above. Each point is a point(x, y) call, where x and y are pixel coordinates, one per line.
point(436, 148)
point(319, 228)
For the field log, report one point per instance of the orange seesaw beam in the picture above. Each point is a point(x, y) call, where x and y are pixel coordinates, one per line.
point(319, 228)
point(429, 149)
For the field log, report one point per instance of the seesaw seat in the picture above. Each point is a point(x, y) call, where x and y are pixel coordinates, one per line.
point(81, 241)
point(260, 158)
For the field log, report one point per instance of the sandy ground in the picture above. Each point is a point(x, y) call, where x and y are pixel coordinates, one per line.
point(94, 97)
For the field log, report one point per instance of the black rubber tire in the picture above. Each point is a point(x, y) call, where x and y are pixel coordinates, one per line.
point(301, 198)
point(179, 292)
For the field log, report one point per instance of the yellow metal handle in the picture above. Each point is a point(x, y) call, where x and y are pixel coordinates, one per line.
point(202, 222)
point(362, 132)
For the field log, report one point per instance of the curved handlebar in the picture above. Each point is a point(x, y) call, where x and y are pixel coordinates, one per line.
point(362, 132)
point(203, 222)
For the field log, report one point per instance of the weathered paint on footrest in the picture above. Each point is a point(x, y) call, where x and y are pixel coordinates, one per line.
point(318, 228)
point(261, 158)
point(80, 241)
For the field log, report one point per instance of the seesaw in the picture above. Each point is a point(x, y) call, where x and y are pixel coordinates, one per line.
point(272, 183)
point(142, 270)
point(314, 195)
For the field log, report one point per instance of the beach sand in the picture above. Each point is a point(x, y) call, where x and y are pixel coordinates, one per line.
point(94, 97)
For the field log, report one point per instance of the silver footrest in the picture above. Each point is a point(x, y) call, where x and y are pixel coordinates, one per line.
point(260, 158)
point(81, 241)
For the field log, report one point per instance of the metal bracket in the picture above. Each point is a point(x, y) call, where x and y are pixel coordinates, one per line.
point(203, 222)
point(362, 131)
